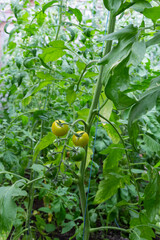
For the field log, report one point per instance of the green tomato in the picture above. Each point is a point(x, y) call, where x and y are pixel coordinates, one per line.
point(51, 173)
point(78, 154)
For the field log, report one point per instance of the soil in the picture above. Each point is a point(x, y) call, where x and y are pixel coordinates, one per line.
point(98, 235)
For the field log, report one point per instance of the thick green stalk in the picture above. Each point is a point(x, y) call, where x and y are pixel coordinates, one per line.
point(99, 81)
point(88, 126)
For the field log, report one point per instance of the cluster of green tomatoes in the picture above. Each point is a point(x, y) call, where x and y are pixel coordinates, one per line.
point(80, 139)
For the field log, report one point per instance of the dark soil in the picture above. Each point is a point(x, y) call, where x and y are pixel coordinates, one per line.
point(98, 235)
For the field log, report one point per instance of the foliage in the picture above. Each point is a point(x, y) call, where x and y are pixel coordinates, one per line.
point(55, 68)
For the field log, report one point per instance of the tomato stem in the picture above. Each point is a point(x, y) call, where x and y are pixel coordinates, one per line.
point(91, 116)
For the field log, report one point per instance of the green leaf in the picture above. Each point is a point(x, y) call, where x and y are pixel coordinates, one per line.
point(115, 153)
point(90, 74)
point(80, 65)
point(50, 54)
point(68, 226)
point(34, 90)
point(106, 189)
point(137, 53)
point(10, 158)
point(83, 114)
point(45, 142)
point(152, 13)
point(45, 210)
point(40, 18)
point(121, 50)
point(77, 13)
point(47, 5)
point(128, 31)
point(71, 95)
point(151, 144)
point(8, 209)
point(146, 103)
point(117, 83)
point(140, 5)
point(58, 44)
point(124, 6)
point(107, 108)
point(38, 167)
point(152, 197)
point(44, 75)
point(112, 5)
point(72, 32)
point(54, 52)
point(30, 62)
point(112, 133)
point(50, 228)
point(154, 40)
point(139, 230)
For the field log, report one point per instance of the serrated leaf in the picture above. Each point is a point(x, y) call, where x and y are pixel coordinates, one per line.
point(50, 54)
point(106, 189)
point(37, 167)
point(151, 144)
point(10, 158)
point(71, 95)
point(45, 142)
point(115, 153)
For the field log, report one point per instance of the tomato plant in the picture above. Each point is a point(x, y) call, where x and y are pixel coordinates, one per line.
point(60, 64)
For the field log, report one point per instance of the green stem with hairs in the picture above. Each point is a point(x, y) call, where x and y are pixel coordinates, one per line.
point(91, 116)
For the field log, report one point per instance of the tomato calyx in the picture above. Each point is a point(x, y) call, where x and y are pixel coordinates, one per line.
point(60, 123)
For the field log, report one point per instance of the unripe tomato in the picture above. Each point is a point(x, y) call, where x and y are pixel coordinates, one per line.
point(78, 154)
point(60, 128)
point(81, 139)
